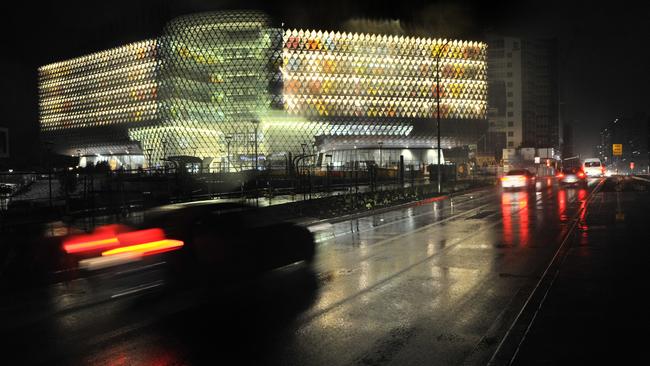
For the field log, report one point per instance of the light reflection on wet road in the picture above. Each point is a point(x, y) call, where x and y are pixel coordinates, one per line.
point(430, 284)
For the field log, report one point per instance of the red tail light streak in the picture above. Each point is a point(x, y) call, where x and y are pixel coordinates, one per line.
point(119, 239)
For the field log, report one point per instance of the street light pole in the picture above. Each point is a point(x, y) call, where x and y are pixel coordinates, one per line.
point(312, 169)
point(438, 109)
point(164, 144)
point(228, 153)
point(149, 161)
point(256, 153)
point(380, 143)
point(302, 178)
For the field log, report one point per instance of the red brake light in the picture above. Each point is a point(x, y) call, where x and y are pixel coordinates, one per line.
point(104, 237)
point(560, 175)
point(140, 236)
point(581, 174)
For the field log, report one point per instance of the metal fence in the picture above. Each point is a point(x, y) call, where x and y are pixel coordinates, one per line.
point(93, 192)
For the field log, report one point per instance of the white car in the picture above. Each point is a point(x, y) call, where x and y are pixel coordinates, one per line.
point(520, 178)
point(593, 167)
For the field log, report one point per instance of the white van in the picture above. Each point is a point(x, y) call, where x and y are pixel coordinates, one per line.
point(593, 167)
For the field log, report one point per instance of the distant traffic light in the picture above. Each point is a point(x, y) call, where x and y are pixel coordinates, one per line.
point(548, 162)
point(631, 165)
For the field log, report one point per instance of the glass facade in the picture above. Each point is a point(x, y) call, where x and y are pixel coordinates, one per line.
point(88, 103)
point(234, 90)
point(364, 75)
point(217, 75)
point(366, 88)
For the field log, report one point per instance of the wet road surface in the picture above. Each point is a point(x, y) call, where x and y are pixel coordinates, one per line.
point(437, 283)
point(596, 311)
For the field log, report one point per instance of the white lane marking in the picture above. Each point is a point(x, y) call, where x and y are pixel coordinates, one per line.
point(139, 288)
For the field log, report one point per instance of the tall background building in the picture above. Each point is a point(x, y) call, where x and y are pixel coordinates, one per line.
point(567, 148)
point(523, 91)
point(4, 142)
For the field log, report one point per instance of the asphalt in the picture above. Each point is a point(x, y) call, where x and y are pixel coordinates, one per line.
point(592, 308)
point(545, 276)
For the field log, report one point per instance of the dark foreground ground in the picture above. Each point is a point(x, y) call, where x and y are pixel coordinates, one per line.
point(552, 275)
point(596, 310)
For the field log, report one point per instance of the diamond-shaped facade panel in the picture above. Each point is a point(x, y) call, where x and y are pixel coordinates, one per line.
point(217, 76)
point(231, 88)
point(88, 103)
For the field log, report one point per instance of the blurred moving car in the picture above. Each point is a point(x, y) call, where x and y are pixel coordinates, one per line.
point(593, 167)
point(183, 243)
point(232, 239)
point(519, 178)
point(572, 176)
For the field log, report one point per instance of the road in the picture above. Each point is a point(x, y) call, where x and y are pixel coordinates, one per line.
point(456, 281)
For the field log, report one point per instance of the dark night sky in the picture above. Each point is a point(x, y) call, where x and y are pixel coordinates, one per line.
point(603, 49)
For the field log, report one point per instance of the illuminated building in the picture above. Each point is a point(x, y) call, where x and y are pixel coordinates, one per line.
point(88, 104)
point(239, 92)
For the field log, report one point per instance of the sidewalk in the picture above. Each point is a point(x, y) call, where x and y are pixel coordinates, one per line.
point(288, 198)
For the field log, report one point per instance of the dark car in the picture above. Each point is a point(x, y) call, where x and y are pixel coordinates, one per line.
point(572, 176)
point(224, 240)
point(209, 243)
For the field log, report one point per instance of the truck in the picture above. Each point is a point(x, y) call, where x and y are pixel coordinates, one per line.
point(571, 162)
